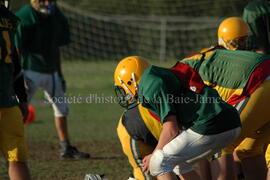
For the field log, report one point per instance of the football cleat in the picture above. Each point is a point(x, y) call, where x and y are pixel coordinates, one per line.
point(69, 151)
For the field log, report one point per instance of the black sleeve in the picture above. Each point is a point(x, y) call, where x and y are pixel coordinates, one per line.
point(18, 84)
point(136, 127)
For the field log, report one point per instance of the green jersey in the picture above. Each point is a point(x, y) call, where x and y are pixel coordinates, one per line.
point(226, 68)
point(257, 15)
point(39, 39)
point(164, 93)
point(234, 74)
point(8, 23)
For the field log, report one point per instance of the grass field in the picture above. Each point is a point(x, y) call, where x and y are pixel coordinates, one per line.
point(92, 127)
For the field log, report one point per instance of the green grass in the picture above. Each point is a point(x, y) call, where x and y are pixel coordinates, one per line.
point(92, 127)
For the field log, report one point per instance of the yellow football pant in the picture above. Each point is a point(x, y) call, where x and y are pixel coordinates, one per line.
point(267, 156)
point(255, 120)
point(12, 142)
point(135, 151)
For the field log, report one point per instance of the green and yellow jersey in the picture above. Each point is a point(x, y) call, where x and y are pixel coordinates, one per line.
point(234, 74)
point(39, 39)
point(8, 23)
point(180, 91)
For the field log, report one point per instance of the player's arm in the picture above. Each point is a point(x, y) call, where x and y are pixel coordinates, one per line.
point(167, 111)
point(170, 130)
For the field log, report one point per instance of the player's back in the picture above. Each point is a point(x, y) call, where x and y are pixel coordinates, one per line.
point(229, 71)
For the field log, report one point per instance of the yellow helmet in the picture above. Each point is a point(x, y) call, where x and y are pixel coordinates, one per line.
point(233, 33)
point(127, 76)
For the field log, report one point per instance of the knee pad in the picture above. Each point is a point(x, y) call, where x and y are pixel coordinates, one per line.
point(159, 163)
point(156, 162)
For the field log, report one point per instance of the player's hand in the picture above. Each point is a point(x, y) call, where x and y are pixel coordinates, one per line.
point(146, 161)
point(24, 109)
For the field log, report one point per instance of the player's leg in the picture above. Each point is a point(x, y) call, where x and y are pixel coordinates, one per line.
point(204, 169)
point(61, 128)
point(135, 152)
point(19, 171)
point(171, 176)
point(32, 82)
point(251, 151)
point(12, 143)
point(238, 167)
point(254, 117)
point(186, 149)
point(248, 164)
point(191, 175)
point(222, 168)
point(55, 94)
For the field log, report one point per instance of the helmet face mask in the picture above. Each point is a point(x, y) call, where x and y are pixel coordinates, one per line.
point(126, 98)
point(236, 44)
point(126, 77)
point(123, 99)
point(6, 3)
point(233, 33)
point(44, 7)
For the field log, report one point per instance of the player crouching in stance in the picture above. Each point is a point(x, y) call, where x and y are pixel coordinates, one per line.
point(191, 130)
point(138, 131)
point(241, 79)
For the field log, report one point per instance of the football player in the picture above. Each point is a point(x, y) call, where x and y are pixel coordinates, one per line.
point(233, 34)
point(41, 32)
point(13, 99)
point(241, 79)
point(193, 127)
